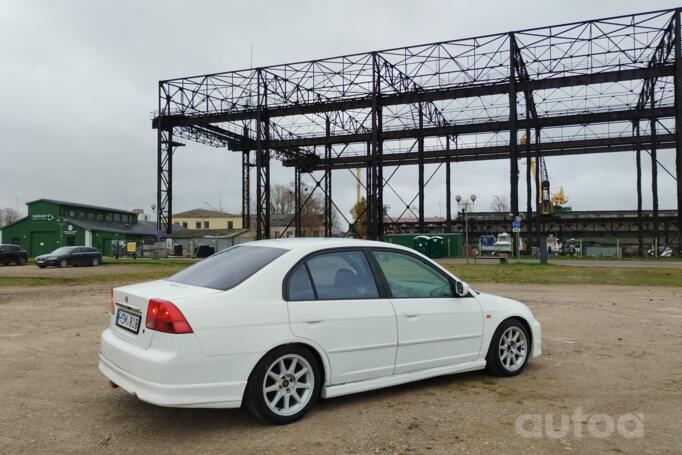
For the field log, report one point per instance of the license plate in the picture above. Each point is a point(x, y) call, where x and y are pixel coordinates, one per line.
point(128, 321)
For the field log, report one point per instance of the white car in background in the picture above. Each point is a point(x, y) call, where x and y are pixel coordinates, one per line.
point(275, 324)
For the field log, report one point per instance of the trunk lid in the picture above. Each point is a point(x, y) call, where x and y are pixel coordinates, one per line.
point(130, 307)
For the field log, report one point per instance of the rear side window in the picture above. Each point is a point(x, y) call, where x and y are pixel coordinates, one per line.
point(228, 268)
point(300, 287)
point(342, 275)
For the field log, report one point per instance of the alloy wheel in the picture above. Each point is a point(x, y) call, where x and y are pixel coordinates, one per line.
point(288, 384)
point(513, 349)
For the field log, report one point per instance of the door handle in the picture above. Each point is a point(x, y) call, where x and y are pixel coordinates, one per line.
point(309, 320)
point(410, 315)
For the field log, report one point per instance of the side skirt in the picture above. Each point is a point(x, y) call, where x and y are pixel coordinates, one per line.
point(388, 381)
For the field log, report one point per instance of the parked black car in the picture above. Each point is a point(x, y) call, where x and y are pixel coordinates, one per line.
point(13, 254)
point(70, 255)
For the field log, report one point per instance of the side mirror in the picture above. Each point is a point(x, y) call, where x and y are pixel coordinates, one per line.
point(461, 289)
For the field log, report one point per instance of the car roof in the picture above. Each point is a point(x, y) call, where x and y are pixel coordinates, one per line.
point(319, 243)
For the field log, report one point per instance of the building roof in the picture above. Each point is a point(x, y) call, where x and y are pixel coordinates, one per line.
point(85, 206)
point(147, 228)
point(203, 213)
point(203, 233)
point(287, 219)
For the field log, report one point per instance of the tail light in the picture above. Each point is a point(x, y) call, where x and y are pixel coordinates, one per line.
point(163, 316)
point(113, 306)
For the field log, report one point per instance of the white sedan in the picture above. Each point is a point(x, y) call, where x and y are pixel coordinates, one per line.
point(276, 324)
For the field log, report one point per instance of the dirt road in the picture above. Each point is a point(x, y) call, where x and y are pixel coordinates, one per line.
point(608, 350)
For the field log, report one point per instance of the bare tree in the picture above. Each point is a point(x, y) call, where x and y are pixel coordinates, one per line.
point(282, 199)
point(8, 215)
point(500, 203)
point(283, 202)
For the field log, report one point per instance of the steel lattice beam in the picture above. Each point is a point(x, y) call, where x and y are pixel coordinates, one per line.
point(577, 76)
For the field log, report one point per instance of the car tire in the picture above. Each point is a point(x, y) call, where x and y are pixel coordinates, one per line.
point(509, 349)
point(63, 263)
point(95, 262)
point(22, 261)
point(42, 266)
point(5, 263)
point(284, 385)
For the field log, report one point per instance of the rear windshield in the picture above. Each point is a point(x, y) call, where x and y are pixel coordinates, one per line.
point(228, 268)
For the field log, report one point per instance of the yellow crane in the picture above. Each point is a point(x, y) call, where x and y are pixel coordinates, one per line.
point(548, 201)
point(358, 184)
point(559, 198)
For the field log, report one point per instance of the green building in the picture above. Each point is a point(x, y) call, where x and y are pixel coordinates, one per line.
point(51, 224)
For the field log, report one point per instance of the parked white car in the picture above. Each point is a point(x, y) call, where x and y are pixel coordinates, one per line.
point(278, 323)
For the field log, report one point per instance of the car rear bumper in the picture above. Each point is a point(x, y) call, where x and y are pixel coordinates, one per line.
point(176, 376)
point(217, 395)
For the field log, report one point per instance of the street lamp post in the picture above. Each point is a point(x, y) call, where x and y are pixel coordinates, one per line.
point(466, 204)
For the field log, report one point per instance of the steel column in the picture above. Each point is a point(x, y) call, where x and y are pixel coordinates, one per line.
point(539, 223)
point(448, 189)
point(375, 222)
point(654, 167)
point(379, 179)
point(529, 190)
point(638, 161)
point(420, 165)
point(328, 208)
point(513, 132)
point(246, 185)
point(297, 202)
point(262, 163)
point(369, 190)
point(164, 171)
point(678, 122)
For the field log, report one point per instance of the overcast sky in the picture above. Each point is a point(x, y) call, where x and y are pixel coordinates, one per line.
point(78, 82)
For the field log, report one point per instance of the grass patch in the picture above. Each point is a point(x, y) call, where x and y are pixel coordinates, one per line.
point(118, 278)
point(143, 261)
point(517, 273)
point(560, 274)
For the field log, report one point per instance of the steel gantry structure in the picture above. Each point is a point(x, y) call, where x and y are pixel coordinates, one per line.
point(596, 86)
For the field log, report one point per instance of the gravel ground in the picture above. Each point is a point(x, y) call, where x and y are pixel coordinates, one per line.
point(608, 350)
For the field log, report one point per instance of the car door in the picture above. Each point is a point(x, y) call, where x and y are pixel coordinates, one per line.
point(435, 327)
point(334, 300)
point(90, 254)
point(77, 256)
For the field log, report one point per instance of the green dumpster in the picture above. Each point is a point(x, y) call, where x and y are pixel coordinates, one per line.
point(422, 244)
point(437, 247)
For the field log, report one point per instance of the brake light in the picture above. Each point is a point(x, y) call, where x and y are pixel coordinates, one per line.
point(113, 307)
point(163, 316)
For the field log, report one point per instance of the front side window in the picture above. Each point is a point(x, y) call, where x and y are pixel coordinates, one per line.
point(410, 278)
point(342, 275)
point(228, 268)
